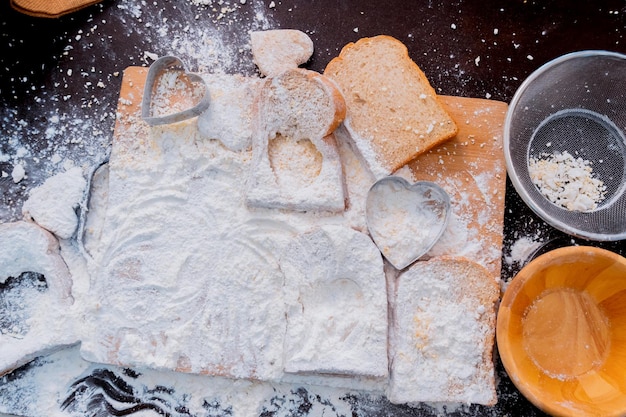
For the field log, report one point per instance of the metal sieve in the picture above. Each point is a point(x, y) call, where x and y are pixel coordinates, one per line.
point(575, 104)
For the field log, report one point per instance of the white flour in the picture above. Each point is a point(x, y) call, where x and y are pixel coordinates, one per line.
point(52, 205)
point(180, 246)
point(164, 253)
point(41, 316)
point(199, 395)
point(440, 334)
point(405, 220)
point(522, 249)
point(18, 173)
point(229, 117)
point(175, 199)
point(335, 292)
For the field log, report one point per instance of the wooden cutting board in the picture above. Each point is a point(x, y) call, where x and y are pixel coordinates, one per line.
point(470, 167)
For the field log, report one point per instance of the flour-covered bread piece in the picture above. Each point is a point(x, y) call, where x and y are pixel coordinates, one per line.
point(442, 333)
point(279, 50)
point(336, 300)
point(229, 117)
point(35, 295)
point(296, 163)
point(393, 112)
point(53, 204)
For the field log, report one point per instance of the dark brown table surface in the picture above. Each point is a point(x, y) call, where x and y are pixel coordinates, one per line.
point(60, 79)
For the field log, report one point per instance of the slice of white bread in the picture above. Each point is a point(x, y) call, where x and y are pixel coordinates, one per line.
point(34, 318)
point(442, 333)
point(393, 113)
point(296, 163)
point(336, 300)
point(275, 51)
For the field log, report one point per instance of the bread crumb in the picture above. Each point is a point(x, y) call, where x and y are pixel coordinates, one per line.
point(566, 181)
point(18, 173)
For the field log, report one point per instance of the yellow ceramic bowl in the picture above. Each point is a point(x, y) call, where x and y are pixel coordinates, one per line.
point(561, 332)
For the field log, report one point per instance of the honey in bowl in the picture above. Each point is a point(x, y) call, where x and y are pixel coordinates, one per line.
point(561, 332)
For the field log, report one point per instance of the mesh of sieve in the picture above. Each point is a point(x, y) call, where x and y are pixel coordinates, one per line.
point(574, 104)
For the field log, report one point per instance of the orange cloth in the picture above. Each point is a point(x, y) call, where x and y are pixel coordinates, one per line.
point(50, 8)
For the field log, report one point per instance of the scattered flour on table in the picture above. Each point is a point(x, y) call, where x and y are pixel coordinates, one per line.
point(221, 45)
point(522, 249)
point(170, 393)
point(79, 108)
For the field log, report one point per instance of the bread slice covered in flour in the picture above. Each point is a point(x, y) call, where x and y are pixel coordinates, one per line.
point(442, 333)
point(35, 295)
point(296, 163)
point(393, 114)
point(279, 50)
point(336, 304)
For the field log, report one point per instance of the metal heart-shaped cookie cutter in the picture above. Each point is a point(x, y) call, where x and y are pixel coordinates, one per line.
point(156, 69)
point(405, 219)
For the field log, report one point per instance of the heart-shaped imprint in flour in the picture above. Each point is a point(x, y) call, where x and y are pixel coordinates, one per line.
point(171, 94)
point(404, 219)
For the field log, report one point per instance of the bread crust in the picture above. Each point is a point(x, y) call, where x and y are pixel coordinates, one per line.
point(297, 105)
point(383, 105)
point(336, 96)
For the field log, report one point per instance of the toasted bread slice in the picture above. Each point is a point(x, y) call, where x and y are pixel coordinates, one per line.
point(296, 163)
point(276, 51)
point(393, 113)
point(442, 333)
